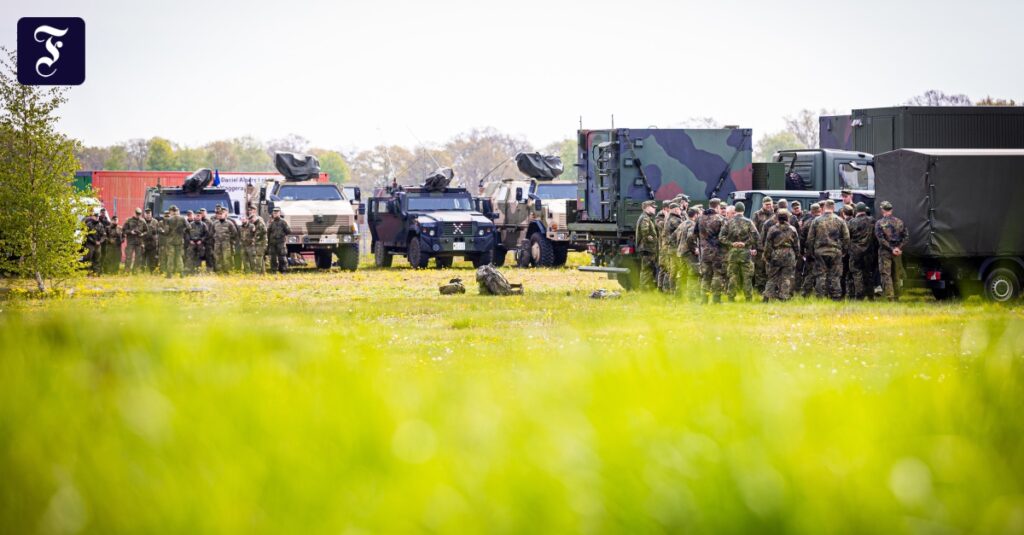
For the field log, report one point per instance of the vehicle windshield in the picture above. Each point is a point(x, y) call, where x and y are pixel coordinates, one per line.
point(447, 202)
point(325, 192)
point(195, 202)
point(860, 177)
point(556, 191)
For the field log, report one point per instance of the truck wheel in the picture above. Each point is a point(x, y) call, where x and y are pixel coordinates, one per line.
point(482, 259)
point(324, 258)
point(1002, 285)
point(444, 262)
point(629, 281)
point(561, 255)
point(381, 257)
point(499, 255)
point(541, 252)
point(348, 257)
point(417, 258)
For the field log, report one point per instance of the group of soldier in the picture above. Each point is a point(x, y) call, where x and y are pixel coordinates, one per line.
point(783, 250)
point(177, 244)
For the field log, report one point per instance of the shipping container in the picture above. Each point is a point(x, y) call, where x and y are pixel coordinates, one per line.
point(878, 130)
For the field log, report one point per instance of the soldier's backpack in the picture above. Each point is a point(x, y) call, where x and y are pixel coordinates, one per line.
point(453, 287)
point(492, 282)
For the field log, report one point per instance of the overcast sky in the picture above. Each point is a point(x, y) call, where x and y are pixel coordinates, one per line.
point(350, 75)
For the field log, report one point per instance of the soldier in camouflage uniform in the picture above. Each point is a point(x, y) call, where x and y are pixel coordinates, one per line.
point(667, 249)
point(647, 246)
point(862, 258)
point(174, 228)
point(150, 242)
point(808, 280)
point(134, 253)
point(688, 272)
point(277, 235)
point(196, 237)
point(782, 248)
point(742, 238)
point(112, 248)
point(659, 220)
point(160, 228)
point(764, 214)
point(890, 233)
point(225, 234)
point(211, 262)
point(712, 252)
point(796, 216)
point(829, 238)
point(95, 233)
point(254, 241)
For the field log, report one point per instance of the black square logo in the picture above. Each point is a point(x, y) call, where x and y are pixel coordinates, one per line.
point(51, 51)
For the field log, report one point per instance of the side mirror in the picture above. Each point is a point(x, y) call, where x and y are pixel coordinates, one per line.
point(519, 194)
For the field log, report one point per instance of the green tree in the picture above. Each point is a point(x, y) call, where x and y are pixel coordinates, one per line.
point(160, 155)
point(566, 149)
point(189, 159)
point(334, 164)
point(990, 101)
point(41, 213)
point(772, 143)
point(117, 159)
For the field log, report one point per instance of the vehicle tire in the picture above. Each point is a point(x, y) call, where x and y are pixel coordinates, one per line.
point(629, 281)
point(561, 255)
point(1002, 285)
point(324, 258)
point(348, 257)
point(381, 257)
point(482, 259)
point(541, 252)
point(499, 256)
point(418, 259)
point(444, 262)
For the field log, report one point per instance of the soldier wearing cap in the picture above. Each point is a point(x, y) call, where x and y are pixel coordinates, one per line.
point(135, 229)
point(225, 235)
point(847, 197)
point(781, 249)
point(95, 232)
point(688, 277)
point(196, 236)
point(809, 276)
point(659, 219)
point(254, 241)
point(277, 236)
point(646, 240)
point(862, 254)
point(890, 233)
point(208, 256)
point(174, 227)
point(742, 240)
point(796, 219)
point(112, 248)
point(766, 212)
point(712, 251)
point(150, 243)
point(829, 238)
point(667, 248)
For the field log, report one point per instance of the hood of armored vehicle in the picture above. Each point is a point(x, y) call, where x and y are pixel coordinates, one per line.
point(312, 208)
point(444, 216)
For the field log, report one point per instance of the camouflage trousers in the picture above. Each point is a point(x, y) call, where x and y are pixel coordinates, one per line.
point(175, 262)
point(151, 251)
point(687, 277)
point(829, 272)
point(94, 256)
point(134, 257)
point(667, 267)
point(223, 251)
point(760, 273)
point(712, 273)
point(781, 275)
point(798, 279)
point(862, 273)
point(252, 258)
point(194, 257)
point(278, 254)
point(741, 278)
point(111, 258)
point(890, 268)
point(648, 270)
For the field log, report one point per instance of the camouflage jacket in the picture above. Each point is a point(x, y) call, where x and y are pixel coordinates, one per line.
point(225, 231)
point(760, 217)
point(135, 229)
point(659, 222)
point(197, 232)
point(862, 232)
point(278, 230)
point(95, 232)
point(114, 235)
point(175, 227)
point(709, 227)
point(151, 235)
point(781, 237)
point(669, 240)
point(646, 235)
point(765, 227)
point(259, 230)
point(687, 239)
point(828, 235)
point(739, 229)
point(890, 232)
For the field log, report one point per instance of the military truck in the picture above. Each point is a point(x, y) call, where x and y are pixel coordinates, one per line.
point(194, 194)
point(531, 213)
point(824, 169)
point(430, 221)
point(752, 199)
point(620, 168)
point(322, 220)
point(965, 227)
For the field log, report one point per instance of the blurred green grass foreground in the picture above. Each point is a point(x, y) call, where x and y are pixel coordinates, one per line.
point(367, 403)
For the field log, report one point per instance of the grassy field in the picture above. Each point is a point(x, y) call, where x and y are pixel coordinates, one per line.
point(366, 403)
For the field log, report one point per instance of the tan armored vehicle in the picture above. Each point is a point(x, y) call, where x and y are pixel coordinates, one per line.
point(531, 213)
point(322, 220)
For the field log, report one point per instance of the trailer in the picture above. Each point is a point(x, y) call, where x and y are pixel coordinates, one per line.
point(962, 211)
